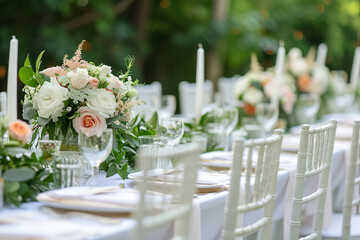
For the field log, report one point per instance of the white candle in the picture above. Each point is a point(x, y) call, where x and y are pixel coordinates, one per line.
point(355, 69)
point(321, 54)
point(12, 81)
point(3, 103)
point(199, 82)
point(279, 68)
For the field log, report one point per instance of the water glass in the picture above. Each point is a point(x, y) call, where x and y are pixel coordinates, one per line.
point(172, 129)
point(153, 144)
point(307, 107)
point(165, 105)
point(67, 169)
point(267, 115)
point(48, 148)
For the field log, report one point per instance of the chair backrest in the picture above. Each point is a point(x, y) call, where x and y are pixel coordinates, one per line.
point(226, 89)
point(255, 188)
point(3, 104)
point(314, 158)
point(352, 179)
point(146, 93)
point(169, 198)
point(187, 94)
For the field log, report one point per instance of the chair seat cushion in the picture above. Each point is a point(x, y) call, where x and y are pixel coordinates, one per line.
point(334, 231)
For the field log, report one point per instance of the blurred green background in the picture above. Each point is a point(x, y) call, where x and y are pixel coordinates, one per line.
point(163, 35)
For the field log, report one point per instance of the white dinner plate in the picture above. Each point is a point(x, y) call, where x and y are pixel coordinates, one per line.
point(93, 203)
point(220, 159)
point(158, 179)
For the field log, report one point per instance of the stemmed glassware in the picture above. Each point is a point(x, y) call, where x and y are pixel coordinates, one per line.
point(308, 106)
point(95, 150)
point(165, 105)
point(267, 115)
point(222, 121)
point(172, 129)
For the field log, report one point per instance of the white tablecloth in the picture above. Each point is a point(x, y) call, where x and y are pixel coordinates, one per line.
point(210, 217)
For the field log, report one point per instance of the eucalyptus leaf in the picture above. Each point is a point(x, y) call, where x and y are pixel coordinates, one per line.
point(153, 122)
point(43, 121)
point(112, 119)
point(19, 174)
point(112, 170)
point(29, 111)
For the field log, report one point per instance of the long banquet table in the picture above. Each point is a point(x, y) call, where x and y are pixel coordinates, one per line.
point(30, 220)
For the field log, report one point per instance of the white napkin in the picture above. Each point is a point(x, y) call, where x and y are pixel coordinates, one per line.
point(203, 178)
point(123, 196)
point(217, 155)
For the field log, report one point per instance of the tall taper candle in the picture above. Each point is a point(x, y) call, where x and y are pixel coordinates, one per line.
point(200, 77)
point(279, 69)
point(321, 54)
point(355, 69)
point(12, 80)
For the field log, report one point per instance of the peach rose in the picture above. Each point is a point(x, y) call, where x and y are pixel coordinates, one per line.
point(304, 82)
point(89, 122)
point(20, 131)
point(54, 71)
point(93, 82)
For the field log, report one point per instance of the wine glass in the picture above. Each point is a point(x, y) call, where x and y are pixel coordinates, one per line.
point(267, 115)
point(172, 129)
point(229, 118)
point(309, 105)
point(165, 105)
point(95, 150)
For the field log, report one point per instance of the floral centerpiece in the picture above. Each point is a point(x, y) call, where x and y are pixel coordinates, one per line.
point(310, 76)
point(256, 86)
point(76, 97)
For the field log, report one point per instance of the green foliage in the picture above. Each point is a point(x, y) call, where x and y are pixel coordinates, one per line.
point(25, 175)
point(123, 156)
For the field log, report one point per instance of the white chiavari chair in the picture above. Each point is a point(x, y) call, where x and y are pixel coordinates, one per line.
point(255, 188)
point(344, 225)
point(145, 94)
point(187, 94)
point(170, 199)
point(226, 89)
point(314, 159)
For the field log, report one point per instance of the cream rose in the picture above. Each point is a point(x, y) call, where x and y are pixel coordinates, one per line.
point(253, 96)
point(79, 79)
point(105, 69)
point(49, 101)
point(320, 80)
point(299, 66)
point(240, 87)
point(89, 122)
point(103, 102)
point(115, 83)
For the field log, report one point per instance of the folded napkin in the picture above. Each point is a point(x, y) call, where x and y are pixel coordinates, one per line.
point(203, 178)
point(217, 155)
point(86, 196)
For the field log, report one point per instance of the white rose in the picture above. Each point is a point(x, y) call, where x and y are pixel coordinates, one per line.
point(49, 101)
point(93, 69)
point(294, 53)
point(320, 80)
point(253, 96)
point(104, 102)
point(105, 69)
point(299, 66)
point(79, 79)
point(115, 82)
point(240, 86)
point(102, 77)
